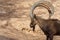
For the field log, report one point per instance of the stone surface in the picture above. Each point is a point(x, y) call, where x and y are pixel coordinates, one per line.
point(15, 20)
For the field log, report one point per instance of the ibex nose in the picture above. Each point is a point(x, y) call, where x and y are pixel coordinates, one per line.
point(31, 25)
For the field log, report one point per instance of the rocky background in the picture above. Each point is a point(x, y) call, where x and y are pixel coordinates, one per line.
point(15, 20)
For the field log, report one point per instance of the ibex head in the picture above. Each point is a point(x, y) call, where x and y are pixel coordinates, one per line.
point(44, 4)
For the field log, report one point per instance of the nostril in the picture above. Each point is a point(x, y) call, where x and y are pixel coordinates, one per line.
point(31, 26)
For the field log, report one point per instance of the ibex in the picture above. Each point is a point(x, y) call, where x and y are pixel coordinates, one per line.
point(50, 27)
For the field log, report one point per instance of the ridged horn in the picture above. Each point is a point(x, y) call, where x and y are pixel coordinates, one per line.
point(44, 4)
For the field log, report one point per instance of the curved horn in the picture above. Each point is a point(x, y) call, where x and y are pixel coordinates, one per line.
point(44, 4)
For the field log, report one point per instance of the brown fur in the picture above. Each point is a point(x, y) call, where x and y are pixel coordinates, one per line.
point(50, 27)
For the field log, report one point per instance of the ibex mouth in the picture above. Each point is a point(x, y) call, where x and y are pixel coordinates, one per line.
point(31, 26)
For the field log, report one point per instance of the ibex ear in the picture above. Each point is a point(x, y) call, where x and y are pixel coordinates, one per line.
point(50, 14)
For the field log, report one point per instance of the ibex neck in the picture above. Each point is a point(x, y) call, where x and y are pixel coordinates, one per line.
point(40, 21)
